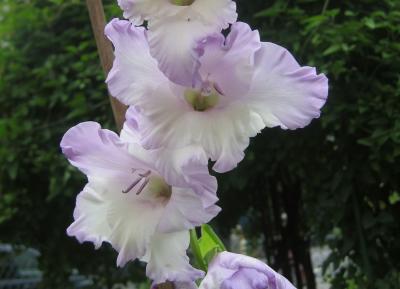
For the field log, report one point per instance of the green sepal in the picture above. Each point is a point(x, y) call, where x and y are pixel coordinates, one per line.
point(211, 254)
point(206, 247)
point(194, 246)
point(208, 233)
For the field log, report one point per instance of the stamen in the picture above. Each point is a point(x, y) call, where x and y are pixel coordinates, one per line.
point(146, 181)
point(142, 176)
point(146, 174)
point(132, 186)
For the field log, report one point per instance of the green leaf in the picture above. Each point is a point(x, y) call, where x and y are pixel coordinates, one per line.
point(394, 198)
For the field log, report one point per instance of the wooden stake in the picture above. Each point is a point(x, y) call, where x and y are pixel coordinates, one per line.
point(104, 47)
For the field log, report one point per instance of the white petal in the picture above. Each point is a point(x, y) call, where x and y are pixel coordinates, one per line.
point(175, 55)
point(216, 275)
point(90, 223)
point(134, 73)
point(223, 133)
point(173, 39)
point(167, 259)
point(126, 221)
point(220, 13)
point(187, 167)
point(133, 225)
point(139, 10)
point(230, 63)
point(185, 210)
point(130, 132)
point(283, 93)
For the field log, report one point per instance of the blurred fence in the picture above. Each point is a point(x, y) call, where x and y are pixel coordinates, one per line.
point(19, 269)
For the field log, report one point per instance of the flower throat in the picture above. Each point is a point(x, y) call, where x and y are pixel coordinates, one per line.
point(202, 100)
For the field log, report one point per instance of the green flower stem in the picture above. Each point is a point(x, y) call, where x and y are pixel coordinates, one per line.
point(194, 246)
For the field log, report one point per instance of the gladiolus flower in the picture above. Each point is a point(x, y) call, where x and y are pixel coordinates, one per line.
point(245, 85)
point(133, 200)
point(235, 271)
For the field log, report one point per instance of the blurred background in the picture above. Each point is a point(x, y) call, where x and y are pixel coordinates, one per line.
point(321, 204)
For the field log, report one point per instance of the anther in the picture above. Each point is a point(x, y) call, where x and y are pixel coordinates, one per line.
point(132, 186)
point(142, 176)
point(146, 181)
point(146, 174)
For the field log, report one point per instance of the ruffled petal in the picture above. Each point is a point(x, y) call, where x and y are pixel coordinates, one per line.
point(176, 55)
point(185, 167)
point(130, 132)
point(235, 262)
point(283, 93)
point(219, 13)
point(90, 223)
point(230, 63)
point(134, 73)
point(126, 221)
point(169, 121)
point(167, 259)
point(185, 210)
point(137, 11)
point(95, 151)
point(216, 275)
point(246, 279)
point(188, 167)
point(131, 135)
point(235, 271)
point(134, 224)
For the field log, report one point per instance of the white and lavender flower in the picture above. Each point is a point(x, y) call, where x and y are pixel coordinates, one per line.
point(240, 86)
point(140, 205)
point(235, 271)
point(174, 26)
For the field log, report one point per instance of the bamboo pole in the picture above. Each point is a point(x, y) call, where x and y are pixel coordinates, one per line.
point(104, 47)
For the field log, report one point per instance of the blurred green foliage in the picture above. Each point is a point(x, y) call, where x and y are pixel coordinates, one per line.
point(344, 166)
point(50, 80)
